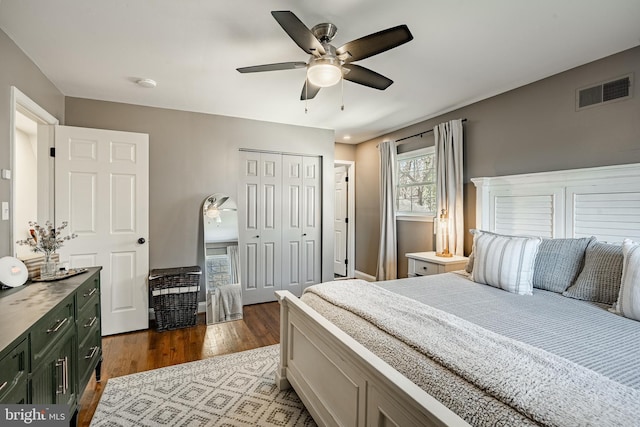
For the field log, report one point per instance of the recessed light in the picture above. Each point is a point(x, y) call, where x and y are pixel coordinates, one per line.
point(346, 137)
point(148, 83)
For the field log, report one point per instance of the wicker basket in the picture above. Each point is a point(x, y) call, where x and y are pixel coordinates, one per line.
point(174, 292)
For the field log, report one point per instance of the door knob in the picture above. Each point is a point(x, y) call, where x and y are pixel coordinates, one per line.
point(141, 241)
point(257, 237)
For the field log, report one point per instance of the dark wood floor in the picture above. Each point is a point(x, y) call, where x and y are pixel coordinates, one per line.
point(144, 350)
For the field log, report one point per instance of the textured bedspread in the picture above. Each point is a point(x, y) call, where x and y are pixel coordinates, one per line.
point(585, 333)
point(486, 378)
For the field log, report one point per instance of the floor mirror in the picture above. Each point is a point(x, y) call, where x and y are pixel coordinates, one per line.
point(222, 275)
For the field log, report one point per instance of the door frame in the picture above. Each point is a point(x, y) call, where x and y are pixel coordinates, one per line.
point(21, 101)
point(351, 210)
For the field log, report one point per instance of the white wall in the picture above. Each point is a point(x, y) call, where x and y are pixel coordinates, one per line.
point(26, 188)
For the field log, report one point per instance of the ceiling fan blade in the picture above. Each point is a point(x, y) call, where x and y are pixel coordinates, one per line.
point(366, 77)
point(298, 32)
point(309, 91)
point(375, 43)
point(272, 67)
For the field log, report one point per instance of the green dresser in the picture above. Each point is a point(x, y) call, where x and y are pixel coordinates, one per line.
point(50, 341)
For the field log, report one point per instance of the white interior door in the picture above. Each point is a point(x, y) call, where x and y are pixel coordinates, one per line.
point(301, 226)
point(292, 224)
point(312, 221)
point(340, 221)
point(102, 190)
point(260, 226)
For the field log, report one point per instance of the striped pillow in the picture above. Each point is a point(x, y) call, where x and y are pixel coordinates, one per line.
point(504, 262)
point(628, 304)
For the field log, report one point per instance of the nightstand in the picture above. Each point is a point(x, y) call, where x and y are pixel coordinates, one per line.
point(427, 263)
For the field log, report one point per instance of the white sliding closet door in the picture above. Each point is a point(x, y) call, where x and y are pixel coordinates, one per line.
point(280, 224)
point(260, 219)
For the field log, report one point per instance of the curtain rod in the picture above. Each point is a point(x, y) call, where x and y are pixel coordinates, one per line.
point(421, 133)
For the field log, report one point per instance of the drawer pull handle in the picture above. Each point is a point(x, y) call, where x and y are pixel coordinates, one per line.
point(4, 384)
point(91, 322)
point(93, 291)
point(58, 326)
point(94, 350)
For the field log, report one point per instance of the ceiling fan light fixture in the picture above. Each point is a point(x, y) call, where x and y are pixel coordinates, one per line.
point(324, 73)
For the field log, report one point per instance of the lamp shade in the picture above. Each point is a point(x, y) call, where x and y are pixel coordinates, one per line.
point(324, 74)
point(13, 272)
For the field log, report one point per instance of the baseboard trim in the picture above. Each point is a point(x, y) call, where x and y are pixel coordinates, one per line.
point(364, 276)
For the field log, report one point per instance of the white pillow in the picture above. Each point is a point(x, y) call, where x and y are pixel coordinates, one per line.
point(504, 262)
point(628, 304)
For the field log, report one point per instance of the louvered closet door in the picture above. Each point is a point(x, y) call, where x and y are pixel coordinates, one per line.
point(260, 226)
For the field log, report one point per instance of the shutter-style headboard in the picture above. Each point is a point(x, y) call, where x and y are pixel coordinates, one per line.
point(601, 201)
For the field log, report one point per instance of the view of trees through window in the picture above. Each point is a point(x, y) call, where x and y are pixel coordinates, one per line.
point(416, 190)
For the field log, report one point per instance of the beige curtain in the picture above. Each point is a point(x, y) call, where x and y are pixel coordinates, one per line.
point(449, 155)
point(387, 253)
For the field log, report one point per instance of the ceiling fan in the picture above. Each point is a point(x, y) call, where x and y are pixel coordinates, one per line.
point(328, 65)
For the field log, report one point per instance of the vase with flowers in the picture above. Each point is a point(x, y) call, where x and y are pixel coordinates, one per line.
point(46, 239)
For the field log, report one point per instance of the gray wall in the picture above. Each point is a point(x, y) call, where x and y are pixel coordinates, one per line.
point(533, 128)
point(192, 155)
point(16, 69)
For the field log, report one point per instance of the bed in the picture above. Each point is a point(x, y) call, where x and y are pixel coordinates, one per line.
point(445, 350)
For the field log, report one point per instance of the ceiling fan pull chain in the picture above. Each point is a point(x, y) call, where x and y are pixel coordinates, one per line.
point(342, 93)
point(306, 96)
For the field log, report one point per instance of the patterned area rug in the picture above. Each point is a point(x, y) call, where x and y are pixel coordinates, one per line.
point(233, 390)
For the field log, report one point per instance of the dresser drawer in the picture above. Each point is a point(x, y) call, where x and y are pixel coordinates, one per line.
point(89, 317)
point(13, 374)
point(52, 326)
point(89, 354)
point(88, 290)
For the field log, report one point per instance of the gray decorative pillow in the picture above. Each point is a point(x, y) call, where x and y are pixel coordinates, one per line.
point(558, 263)
point(599, 280)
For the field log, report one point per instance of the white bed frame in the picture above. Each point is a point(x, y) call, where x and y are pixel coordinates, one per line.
point(343, 384)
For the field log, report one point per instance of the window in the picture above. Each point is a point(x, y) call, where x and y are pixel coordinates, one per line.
point(416, 183)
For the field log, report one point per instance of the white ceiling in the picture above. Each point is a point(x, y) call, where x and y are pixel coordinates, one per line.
point(463, 51)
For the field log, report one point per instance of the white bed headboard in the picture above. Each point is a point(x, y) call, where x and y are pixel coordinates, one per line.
point(601, 201)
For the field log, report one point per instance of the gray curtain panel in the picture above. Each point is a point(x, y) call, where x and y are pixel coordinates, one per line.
point(387, 253)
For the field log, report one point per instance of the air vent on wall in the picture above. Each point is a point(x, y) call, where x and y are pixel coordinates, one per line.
point(605, 92)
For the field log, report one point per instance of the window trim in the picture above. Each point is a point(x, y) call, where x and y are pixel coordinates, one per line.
point(413, 216)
